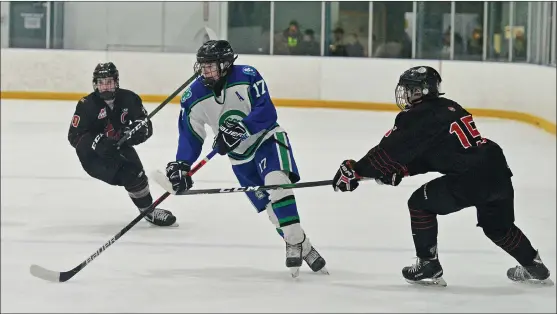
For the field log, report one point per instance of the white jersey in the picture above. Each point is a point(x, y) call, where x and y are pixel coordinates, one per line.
point(245, 99)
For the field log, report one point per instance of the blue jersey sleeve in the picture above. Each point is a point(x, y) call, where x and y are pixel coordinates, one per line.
point(263, 114)
point(191, 135)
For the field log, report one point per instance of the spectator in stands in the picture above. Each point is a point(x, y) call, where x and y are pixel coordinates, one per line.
point(287, 42)
point(475, 43)
point(309, 46)
point(354, 47)
point(337, 47)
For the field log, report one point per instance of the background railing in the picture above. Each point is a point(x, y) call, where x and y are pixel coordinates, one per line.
point(502, 31)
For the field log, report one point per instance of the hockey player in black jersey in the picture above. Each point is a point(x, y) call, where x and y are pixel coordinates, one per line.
point(435, 134)
point(100, 120)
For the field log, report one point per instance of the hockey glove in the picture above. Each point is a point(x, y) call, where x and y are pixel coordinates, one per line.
point(346, 178)
point(229, 137)
point(104, 146)
point(177, 174)
point(141, 134)
point(391, 179)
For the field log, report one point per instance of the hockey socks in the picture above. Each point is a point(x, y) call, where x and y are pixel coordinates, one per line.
point(424, 232)
point(514, 242)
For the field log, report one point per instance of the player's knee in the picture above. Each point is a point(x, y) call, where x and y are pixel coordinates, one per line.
point(416, 200)
point(278, 178)
point(502, 235)
point(134, 180)
point(495, 228)
point(272, 216)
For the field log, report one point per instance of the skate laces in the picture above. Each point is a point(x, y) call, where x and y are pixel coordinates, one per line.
point(416, 266)
point(293, 250)
point(521, 272)
point(312, 256)
point(160, 214)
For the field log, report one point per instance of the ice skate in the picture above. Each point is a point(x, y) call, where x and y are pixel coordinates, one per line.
point(313, 259)
point(295, 253)
point(535, 274)
point(294, 258)
point(425, 272)
point(161, 218)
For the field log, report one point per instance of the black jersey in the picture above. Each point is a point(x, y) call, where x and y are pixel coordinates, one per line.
point(437, 135)
point(93, 116)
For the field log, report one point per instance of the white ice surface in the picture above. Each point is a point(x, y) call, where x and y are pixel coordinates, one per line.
point(226, 258)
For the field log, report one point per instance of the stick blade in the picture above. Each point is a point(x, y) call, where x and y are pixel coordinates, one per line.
point(161, 179)
point(45, 274)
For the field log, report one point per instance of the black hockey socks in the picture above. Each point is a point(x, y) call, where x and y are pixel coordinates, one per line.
point(424, 232)
point(139, 192)
point(514, 242)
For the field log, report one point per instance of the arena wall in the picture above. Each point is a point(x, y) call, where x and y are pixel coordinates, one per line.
point(516, 91)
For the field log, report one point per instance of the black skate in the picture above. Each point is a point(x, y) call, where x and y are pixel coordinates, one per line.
point(535, 274)
point(426, 272)
point(315, 261)
point(295, 253)
point(161, 218)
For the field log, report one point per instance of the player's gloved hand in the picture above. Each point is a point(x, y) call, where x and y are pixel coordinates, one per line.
point(177, 174)
point(391, 179)
point(104, 146)
point(141, 134)
point(346, 178)
point(229, 137)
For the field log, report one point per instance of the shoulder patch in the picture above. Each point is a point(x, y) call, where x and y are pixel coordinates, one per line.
point(186, 95)
point(82, 99)
point(248, 71)
point(75, 121)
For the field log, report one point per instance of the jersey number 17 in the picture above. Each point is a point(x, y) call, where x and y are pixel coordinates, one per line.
point(470, 137)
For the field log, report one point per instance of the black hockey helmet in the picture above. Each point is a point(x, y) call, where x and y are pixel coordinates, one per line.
point(106, 90)
point(416, 84)
point(214, 58)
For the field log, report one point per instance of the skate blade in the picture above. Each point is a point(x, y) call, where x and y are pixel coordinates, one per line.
point(294, 272)
point(536, 282)
point(323, 271)
point(440, 282)
point(174, 225)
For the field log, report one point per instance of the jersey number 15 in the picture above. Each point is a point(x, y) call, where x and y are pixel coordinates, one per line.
point(471, 137)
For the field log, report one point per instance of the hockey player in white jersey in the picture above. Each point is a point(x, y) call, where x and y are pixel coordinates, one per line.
point(234, 101)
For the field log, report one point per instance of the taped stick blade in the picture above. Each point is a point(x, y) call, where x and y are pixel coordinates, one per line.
point(161, 179)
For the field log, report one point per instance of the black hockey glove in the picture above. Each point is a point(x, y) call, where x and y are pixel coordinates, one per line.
point(104, 146)
point(229, 137)
point(346, 178)
point(392, 179)
point(141, 134)
point(177, 174)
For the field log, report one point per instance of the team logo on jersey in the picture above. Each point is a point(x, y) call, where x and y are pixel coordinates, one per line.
point(186, 95)
point(109, 130)
point(260, 195)
point(239, 96)
point(123, 115)
point(75, 121)
point(249, 71)
point(232, 116)
point(102, 114)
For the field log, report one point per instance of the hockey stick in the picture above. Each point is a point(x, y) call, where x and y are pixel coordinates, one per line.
point(161, 179)
point(129, 134)
point(54, 276)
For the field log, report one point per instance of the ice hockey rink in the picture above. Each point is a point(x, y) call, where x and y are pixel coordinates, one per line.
point(226, 258)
